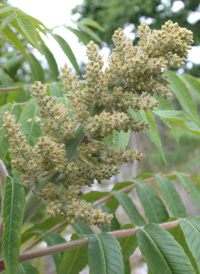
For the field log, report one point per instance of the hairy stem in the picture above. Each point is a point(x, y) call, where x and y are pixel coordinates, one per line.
point(37, 240)
point(79, 243)
point(105, 199)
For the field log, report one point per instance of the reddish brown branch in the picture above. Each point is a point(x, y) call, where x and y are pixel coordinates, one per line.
point(105, 199)
point(79, 243)
point(37, 240)
point(9, 89)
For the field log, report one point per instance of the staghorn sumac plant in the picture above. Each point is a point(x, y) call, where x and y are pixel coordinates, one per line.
point(72, 150)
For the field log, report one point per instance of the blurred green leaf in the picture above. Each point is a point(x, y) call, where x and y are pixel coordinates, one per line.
point(193, 83)
point(183, 95)
point(81, 35)
point(29, 30)
point(68, 51)
point(29, 121)
point(37, 73)
point(89, 31)
point(27, 268)
point(56, 89)
point(179, 118)
point(51, 62)
point(91, 23)
point(7, 20)
point(12, 37)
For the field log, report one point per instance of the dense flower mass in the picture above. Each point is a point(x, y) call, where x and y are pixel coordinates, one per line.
point(73, 144)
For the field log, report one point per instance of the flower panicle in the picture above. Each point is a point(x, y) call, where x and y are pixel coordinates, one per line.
point(99, 105)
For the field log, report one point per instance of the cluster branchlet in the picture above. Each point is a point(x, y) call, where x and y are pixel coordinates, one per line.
point(100, 106)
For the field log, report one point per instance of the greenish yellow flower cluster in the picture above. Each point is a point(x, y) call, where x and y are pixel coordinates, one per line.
point(73, 144)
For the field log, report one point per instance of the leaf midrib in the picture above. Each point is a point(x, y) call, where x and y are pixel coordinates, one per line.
point(157, 249)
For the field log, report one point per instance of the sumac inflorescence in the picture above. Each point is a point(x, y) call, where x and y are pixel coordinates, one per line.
point(73, 144)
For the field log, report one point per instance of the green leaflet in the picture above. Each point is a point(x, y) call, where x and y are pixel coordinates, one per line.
point(12, 65)
point(12, 37)
point(37, 73)
point(29, 30)
point(7, 20)
point(68, 51)
point(89, 32)
point(127, 268)
point(190, 164)
point(193, 82)
point(121, 185)
point(82, 229)
point(191, 230)
point(153, 132)
point(130, 209)
point(24, 94)
point(13, 210)
point(183, 95)
point(74, 260)
point(29, 121)
point(180, 118)
point(165, 104)
point(171, 196)
point(5, 9)
point(56, 89)
point(190, 187)
point(105, 255)
point(161, 252)
point(153, 206)
point(4, 78)
point(81, 35)
point(27, 268)
point(178, 235)
point(38, 24)
point(113, 203)
point(118, 139)
point(128, 244)
point(91, 23)
point(52, 239)
point(51, 62)
point(93, 196)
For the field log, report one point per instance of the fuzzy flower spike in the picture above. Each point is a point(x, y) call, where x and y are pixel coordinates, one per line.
point(73, 144)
